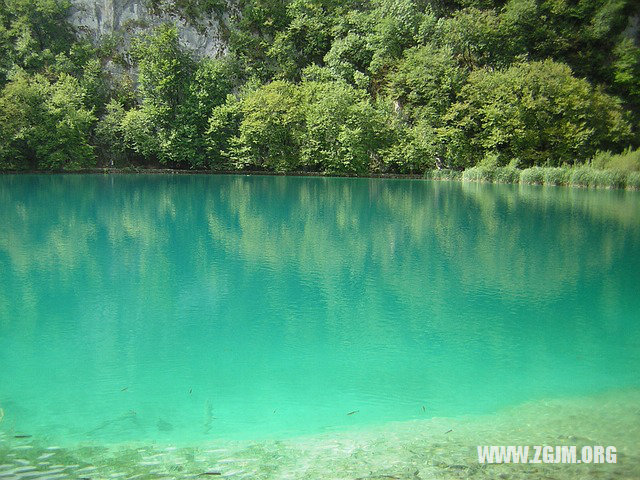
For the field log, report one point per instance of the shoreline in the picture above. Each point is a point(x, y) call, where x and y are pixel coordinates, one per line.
point(585, 177)
point(175, 171)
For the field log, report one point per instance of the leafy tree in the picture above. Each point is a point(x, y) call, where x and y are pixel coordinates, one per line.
point(475, 38)
point(212, 81)
point(178, 96)
point(94, 81)
point(252, 32)
point(415, 148)
point(269, 133)
point(626, 72)
point(351, 52)
point(396, 25)
point(142, 135)
point(44, 125)
point(109, 135)
point(164, 70)
point(32, 33)
point(328, 85)
point(343, 131)
point(306, 39)
point(536, 112)
point(580, 34)
point(426, 82)
point(222, 140)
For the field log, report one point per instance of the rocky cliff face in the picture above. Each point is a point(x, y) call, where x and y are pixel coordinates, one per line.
point(98, 18)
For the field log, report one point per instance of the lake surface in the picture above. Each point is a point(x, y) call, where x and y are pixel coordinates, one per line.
point(182, 308)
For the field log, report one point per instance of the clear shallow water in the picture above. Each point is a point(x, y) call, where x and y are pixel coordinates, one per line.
point(184, 308)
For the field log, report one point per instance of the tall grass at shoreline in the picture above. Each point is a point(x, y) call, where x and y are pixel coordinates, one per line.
point(580, 176)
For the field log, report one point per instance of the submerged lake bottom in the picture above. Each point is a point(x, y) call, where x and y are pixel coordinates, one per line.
point(442, 448)
point(313, 328)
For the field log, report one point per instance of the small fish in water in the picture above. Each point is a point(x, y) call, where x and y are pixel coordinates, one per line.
point(353, 413)
point(448, 431)
point(90, 468)
point(274, 411)
point(190, 391)
point(22, 436)
point(424, 409)
point(124, 389)
point(28, 469)
point(210, 473)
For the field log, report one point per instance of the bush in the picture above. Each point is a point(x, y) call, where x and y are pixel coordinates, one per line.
point(628, 160)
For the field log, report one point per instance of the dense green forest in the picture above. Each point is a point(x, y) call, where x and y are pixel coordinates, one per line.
point(335, 86)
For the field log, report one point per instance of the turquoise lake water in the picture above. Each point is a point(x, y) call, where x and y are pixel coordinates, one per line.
point(189, 307)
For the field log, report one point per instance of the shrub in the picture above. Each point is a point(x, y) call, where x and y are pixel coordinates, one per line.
point(628, 160)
